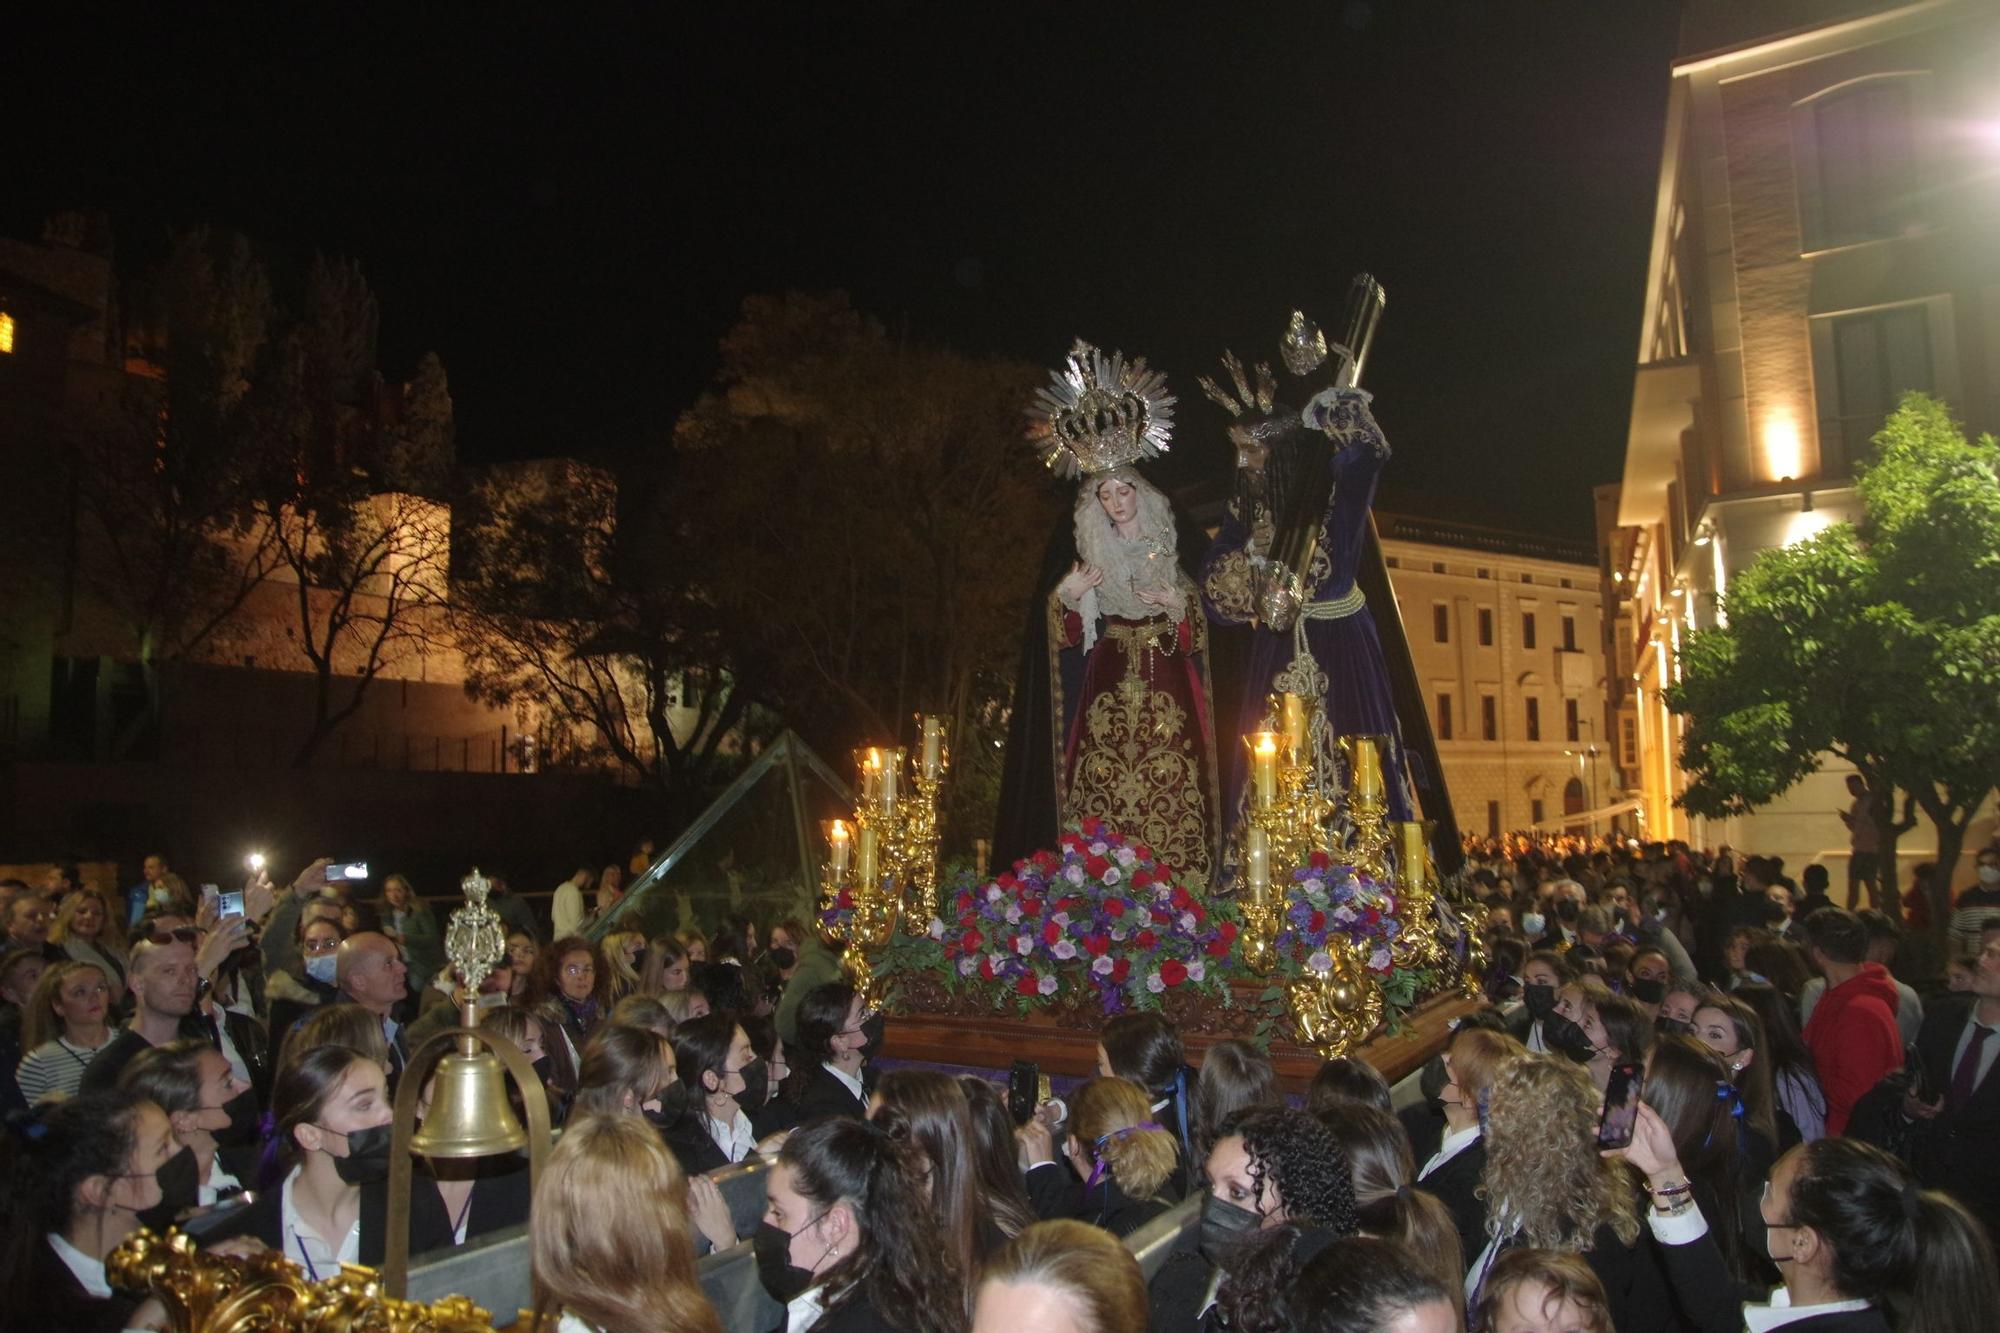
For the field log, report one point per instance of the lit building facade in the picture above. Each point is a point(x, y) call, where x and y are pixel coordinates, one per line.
point(1507, 634)
point(1824, 240)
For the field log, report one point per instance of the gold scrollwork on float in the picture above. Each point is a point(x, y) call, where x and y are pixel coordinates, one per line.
point(210, 1293)
point(1336, 1010)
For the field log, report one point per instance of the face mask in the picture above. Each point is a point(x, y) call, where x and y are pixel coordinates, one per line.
point(783, 959)
point(784, 1280)
point(1566, 910)
point(1223, 1224)
point(243, 1116)
point(872, 1028)
point(367, 1157)
point(1647, 991)
point(756, 1078)
point(1989, 875)
point(1533, 924)
point(322, 967)
point(673, 1104)
point(1540, 997)
point(1565, 1036)
point(180, 1184)
point(1674, 1027)
point(542, 1065)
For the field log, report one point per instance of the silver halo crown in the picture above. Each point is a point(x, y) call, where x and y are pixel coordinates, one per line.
point(1100, 412)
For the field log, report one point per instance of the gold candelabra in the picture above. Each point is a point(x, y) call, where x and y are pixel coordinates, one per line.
point(1367, 805)
point(890, 845)
point(1416, 942)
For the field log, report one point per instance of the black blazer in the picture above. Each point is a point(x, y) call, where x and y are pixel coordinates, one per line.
point(430, 1229)
point(1116, 1211)
point(1712, 1301)
point(825, 1095)
point(858, 1315)
point(688, 1139)
point(1175, 1293)
point(59, 1304)
point(1956, 1152)
point(1456, 1185)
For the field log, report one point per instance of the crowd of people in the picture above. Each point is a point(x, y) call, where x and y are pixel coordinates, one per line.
point(1810, 1144)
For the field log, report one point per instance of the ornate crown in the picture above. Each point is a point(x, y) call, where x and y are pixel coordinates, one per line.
point(1101, 412)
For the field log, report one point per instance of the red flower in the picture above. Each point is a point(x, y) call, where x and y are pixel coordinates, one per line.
point(1141, 880)
point(1031, 906)
point(1219, 947)
point(1161, 916)
point(1200, 915)
point(973, 939)
point(1008, 882)
point(1173, 972)
point(1114, 906)
point(1317, 921)
point(986, 968)
point(845, 902)
point(1096, 943)
point(1228, 929)
point(1146, 939)
point(1045, 861)
point(1095, 866)
point(1320, 861)
point(1181, 900)
point(1093, 827)
point(965, 901)
point(1025, 984)
point(1121, 969)
point(1143, 852)
point(1051, 932)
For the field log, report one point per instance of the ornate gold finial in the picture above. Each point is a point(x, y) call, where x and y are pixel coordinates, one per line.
point(1336, 1010)
point(1303, 346)
point(474, 939)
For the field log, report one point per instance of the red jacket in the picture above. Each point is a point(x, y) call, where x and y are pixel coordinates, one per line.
point(1854, 1040)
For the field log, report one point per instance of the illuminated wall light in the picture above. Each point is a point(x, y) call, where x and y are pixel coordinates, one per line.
point(1784, 451)
point(6, 332)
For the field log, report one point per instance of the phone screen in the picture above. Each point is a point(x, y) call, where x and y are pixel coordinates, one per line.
point(1621, 1106)
point(229, 904)
point(346, 871)
point(1023, 1081)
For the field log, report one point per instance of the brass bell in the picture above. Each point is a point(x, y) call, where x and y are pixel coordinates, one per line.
point(470, 1115)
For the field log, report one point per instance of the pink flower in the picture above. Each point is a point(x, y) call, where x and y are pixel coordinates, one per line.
point(1102, 967)
point(1154, 984)
point(1047, 985)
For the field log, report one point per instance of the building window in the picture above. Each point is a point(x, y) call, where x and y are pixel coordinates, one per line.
point(1440, 623)
point(1527, 629)
point(1534, 812)
point(1534, 719)
point(1565, 583)
point(1489, 718)
point(1876, 357)
point(1485, 627)
point(1628, 742)
point(6, 332)
point(1570, 720)
point(1444, 717)
point(1493, 819)
point(1527, 578)
point(1860, 178)
point(1437, 566)
point(1569, 634)
point(1392, 562)
point(1485, 573)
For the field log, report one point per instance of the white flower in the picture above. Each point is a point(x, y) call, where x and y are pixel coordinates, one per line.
point(1063, 949)
point(1112, 874)
point(1187, 922)
point(1118, 932)
point(936, 931)
point(1013, 914)
point(998, 959)
point(992, 893)
point(1102, 965)
point(1379, 959)
point(1047, 985)
point(1061, 919)
point(1321, 962)
point(1154, 984)
point(1099, 848)
point(1126, 856)
point(1197, 970)
point(1074, 875)
point(967, 966)
point(1024, 945)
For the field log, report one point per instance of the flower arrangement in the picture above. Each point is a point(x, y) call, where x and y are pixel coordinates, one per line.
point(1325, 900)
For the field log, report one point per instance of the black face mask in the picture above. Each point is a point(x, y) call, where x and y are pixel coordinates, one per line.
point(367, 1157)
point(243, 1117)
point(180, 1190)
point(756, 1078)
point(673, 1105)
point(1540, 999)
point(784, 959)
point(1648, 991)
point(1565, 1036)
point(782, 1279)
point(543, 1066)
point(1674, 1027)
point(1223, 1224)
point(1567, 910)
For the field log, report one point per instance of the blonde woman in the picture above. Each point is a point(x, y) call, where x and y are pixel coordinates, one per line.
point(611, 1243)
point(337, 1025)
point(1121, 1154)
point(666, 966)
point(89, 931)
point(1548, 1188)
point(63, 1026)
point(624, 951)
point(1062, 1274)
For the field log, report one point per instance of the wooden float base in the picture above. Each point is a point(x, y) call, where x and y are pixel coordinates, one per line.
point(996, 1042)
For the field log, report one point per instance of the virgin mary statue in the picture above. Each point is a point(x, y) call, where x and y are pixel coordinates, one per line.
point(1134, 739)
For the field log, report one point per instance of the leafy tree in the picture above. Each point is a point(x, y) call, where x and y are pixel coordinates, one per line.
point(1878, 644)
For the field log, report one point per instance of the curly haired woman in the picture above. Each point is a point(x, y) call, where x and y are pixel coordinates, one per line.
point(1547, 1187)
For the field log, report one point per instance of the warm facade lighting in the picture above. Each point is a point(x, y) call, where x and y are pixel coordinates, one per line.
point(6, 332)
point(1783, 449)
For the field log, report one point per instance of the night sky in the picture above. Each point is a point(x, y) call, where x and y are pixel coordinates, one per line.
point(569, 203)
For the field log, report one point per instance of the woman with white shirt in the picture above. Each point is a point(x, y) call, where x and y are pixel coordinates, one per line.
point(833, 1079)
point(194, 1085)
point(333, 1114)
point(64, 1024)
point(1860, 1247)
point(724, 1076)
point(1453, 1172)
point(85, 1169)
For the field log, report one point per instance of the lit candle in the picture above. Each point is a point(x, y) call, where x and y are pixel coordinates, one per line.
point(933, 753)
point(1263, 766)
point(1413, 849)
point(981, 849)
point(871, 776)
point(1367, 775)
point(838, 845)
point(864, 858)
point(892, 768)
point(1257, 864)
point(1294, 712)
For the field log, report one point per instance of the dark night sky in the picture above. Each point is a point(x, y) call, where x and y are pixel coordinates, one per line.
point(568, 203)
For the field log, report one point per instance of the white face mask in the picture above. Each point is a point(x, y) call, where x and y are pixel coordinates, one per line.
point(1532, 925)
point(323, 967)
point(1989, 875)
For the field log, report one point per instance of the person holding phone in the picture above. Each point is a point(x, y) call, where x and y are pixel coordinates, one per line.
point(1547, 1187)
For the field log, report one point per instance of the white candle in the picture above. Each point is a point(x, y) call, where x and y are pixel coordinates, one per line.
point(839, 846)
point(933, 752)
point(1257, 864)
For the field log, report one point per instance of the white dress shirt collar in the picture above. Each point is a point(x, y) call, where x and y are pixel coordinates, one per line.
point(1456, 1142)
point(852, 1082)
point(89, 1272)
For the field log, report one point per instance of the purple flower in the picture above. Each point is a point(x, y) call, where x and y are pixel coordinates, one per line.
point(1063, 949)
point(1102, 965)
point(1047, 984)
point(1154, 984)
point(1321, 962)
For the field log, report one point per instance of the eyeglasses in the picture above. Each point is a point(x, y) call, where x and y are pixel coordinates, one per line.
point(579, 970)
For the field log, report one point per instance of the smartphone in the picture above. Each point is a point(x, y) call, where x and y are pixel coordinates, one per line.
point(229, 904)
point(210, 893)
point(346, 871)
point(1921, 1082)
point(1024, 1082)
point(1621, 1106)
